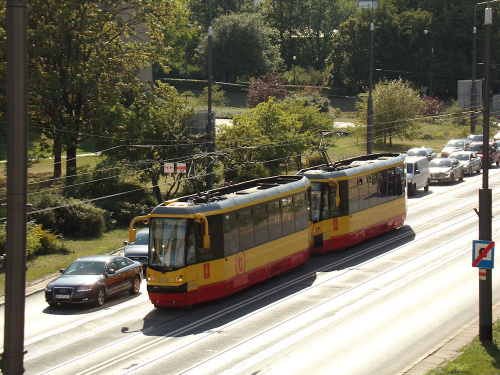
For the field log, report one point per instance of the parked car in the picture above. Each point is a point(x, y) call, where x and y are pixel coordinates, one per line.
point(474, 138)
point(469, 160)
point(494, 154)
point(452, 146)
point(92, 279)
point(417, 174)
point(138, 250)
point(446, 170)
point(428, 152)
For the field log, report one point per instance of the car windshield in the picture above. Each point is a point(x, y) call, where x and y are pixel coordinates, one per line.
point(440, 163)
point(141, 238)
point(409, 168)
point(463, 157)
point(456, 143)
point(475, 137)
point(417, 153)
point(167, 247)
point(85, 268)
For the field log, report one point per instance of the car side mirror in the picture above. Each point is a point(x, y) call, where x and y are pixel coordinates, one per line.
point(62, 270)
point(125, 243)
point(417, 171)
point(111, 271)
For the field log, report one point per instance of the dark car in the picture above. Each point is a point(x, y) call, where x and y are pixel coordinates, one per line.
point(494, 154)
point(138, 250)
point(92, 279)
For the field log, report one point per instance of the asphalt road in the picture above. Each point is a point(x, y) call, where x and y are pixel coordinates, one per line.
point(376, 308)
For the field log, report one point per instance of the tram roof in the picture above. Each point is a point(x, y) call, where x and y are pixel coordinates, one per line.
point(227, 197)
point(352, 166)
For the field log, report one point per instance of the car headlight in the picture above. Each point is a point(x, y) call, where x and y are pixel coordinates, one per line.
point(48, 288)
point(409, 181)
point(84, 288)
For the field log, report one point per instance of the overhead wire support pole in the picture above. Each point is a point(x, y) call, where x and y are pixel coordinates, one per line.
point(485, 196)
point(210, 126)
point(17, 166)
point(369, 120)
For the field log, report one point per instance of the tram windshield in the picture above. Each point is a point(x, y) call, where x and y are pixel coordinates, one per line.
point(167, 245)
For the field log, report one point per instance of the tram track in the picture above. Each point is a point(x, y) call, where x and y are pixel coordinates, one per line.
point(185, 329)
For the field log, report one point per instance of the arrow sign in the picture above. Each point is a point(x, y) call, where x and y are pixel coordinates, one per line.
point(484, 248)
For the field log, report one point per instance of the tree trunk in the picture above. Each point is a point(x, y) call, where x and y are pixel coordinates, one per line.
point(156, 188)
point(56, 152)
point(70, 164)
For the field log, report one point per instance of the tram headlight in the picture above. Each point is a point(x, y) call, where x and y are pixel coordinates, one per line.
point(178, 278)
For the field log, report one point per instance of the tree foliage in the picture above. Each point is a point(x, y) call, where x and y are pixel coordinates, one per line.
point(269, 134)
point(241, 47)
point(260, 90)
point(396, 106)
point(83, 56)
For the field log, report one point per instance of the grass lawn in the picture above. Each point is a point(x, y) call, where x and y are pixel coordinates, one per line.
point(476, 359)
point(41, 266)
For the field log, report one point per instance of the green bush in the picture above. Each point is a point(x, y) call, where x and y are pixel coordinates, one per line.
point(38, 241)
point(67, 216)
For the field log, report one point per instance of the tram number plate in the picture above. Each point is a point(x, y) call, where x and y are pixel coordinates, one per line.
point(63, 296)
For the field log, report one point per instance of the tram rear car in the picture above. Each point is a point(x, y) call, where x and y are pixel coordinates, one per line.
point(355, 199)
point(206, 246)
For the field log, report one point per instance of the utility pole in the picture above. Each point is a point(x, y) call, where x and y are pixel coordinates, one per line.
point(485, 196)
point(369, 120)
point(17, 166)
point(210, 126)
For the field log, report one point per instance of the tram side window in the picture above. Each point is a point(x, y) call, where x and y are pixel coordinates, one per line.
point(261, 226)
point(382, 187)
point(373, 180)
point(245, 224)
point(363, 193)
point(300, 204)
point(231, 239)
point(274, 220)
point(391, 183)
point(287, 217)
point(334, 210)
point(400, 178)
point(353, 196)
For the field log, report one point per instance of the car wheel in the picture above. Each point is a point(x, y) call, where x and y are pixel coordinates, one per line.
point(452, 178)
point(411, 191)
point(136, 285)
point(426, 187)
point(469, 172)
point(100, 297)
point(461, 178)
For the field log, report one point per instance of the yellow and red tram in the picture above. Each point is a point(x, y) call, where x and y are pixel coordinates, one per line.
point(206, 246)
point(355, 199)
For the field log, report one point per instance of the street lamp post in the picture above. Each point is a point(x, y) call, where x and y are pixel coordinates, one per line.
point(432, 60)
point(210, 129)
point(294, 60)
point(369, 119)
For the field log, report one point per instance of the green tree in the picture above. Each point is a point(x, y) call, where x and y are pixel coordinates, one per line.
point(200, 9)
point(271, 133)
point(157, 129)
point(83, 56)
point(241, 47)
point(396, 106)
point(306, 28)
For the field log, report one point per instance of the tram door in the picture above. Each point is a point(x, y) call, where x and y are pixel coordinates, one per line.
point(316, 199)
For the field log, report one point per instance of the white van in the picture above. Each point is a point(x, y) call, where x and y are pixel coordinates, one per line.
point(417, 174)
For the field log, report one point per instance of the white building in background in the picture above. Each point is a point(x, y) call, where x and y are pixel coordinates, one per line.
point(367, 4)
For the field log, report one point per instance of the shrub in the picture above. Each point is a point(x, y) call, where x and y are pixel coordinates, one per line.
point(432, 106)
point(68, 216)
point(260, 91)
point(38, 241)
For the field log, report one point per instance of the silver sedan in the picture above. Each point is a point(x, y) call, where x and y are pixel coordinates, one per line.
point(446, 170)
point(469, 160)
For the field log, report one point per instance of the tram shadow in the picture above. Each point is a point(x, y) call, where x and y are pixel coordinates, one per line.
point(301, 288)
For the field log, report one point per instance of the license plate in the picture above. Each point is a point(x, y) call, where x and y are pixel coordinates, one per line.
point(63, 296)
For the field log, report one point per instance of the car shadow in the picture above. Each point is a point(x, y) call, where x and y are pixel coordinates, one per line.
point(83, 309)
